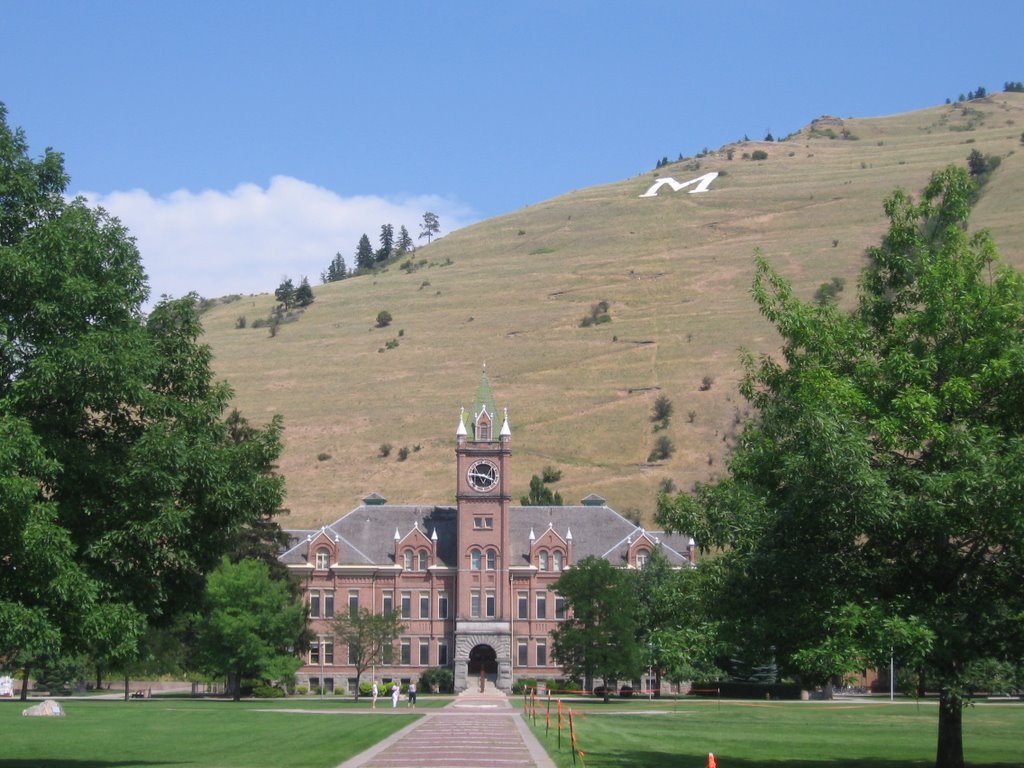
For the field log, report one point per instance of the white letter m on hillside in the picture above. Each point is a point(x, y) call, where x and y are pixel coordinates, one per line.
point(702, 182)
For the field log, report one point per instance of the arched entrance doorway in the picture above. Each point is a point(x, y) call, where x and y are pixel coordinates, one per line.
point(483, 659)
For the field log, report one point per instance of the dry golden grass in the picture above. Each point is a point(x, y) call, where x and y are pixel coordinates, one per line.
point(512, 291)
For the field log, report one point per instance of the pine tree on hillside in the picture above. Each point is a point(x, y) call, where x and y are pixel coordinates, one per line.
point(364, 253)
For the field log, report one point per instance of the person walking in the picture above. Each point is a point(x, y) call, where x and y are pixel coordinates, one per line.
point(412, 694)
point(375, 692)
point(396, 691)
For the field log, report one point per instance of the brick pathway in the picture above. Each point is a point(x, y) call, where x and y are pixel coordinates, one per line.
point(474, 731)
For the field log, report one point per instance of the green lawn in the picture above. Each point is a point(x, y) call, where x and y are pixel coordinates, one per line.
point(304, 732)
point(866, 734)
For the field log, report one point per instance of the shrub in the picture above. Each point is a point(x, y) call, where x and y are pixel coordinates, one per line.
point(403, 453)
point(240, 321)
point(598, 315)
point(706, 382)
point(267, 692)
point(550, 474)
point(438, 680)
point(385, 450)
point(758, 154)
point(383, 318)
point(323, 456)
point(301, 690)
point(662, 410)
point(663, 449)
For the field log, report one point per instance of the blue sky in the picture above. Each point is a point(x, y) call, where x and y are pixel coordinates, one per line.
point(244, 141)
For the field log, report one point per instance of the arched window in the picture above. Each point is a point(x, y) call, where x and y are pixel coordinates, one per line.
point(492, 559)
point(641, 557)
point(423, 559)
point(556, 558)
point(408, 559)
point(543, 561)
point(474, 559)
point(323, 558)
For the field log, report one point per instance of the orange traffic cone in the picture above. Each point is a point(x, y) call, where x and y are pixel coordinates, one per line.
point(711, 761)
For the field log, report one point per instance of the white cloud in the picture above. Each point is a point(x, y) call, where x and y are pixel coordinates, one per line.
point(243, 241)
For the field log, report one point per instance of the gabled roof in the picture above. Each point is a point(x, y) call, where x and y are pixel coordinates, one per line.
point(366, 535)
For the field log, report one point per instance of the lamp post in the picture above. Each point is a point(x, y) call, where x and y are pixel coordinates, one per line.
point(650, 664)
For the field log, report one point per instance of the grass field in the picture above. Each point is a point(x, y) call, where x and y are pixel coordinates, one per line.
point(198, 733)
point(743, 734)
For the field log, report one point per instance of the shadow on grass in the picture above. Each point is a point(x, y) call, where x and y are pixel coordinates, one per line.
point(653, 759)
point(65, 763)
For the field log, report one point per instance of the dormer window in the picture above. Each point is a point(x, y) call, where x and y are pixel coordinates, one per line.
point(423, 559)
point(408, 559)
point(323, 558)
point(556, 560)
point(542, 561)
point(483, 427)
point(641, 557)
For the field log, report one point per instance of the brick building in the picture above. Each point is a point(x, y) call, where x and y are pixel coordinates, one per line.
point(471, 580)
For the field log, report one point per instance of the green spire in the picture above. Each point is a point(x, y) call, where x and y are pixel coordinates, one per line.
point(484, 400)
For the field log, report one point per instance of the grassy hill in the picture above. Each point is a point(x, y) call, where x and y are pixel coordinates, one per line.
point(512, 291)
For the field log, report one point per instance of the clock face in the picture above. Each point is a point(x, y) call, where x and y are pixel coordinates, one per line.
point(483, 476)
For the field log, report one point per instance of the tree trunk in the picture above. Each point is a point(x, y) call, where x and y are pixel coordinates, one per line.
point(127, 693)
point(950, 750)
point(24, 682)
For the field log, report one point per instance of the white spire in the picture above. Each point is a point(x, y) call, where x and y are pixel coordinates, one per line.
point(506, 431)
point(461, 431)
point(568, 534)
point(433, 535)
point(532, 537)
point(397, 537)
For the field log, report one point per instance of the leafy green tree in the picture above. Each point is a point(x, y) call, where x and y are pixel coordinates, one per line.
point(285, 293)
point(365, 256)
point(249, 625)
point(384, 319)
point(540, 495)
point(598, 637)
point(303, 294)
point(366, 635)
point(335, 271)
point(884, 467)
point(387, 242)
point(120, 485)
point(404, 243)
point(430, 227)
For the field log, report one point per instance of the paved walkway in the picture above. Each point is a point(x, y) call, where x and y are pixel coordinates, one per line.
point(477, 730)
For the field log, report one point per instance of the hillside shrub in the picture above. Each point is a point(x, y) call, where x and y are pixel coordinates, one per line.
point(758, 154)
point(383, 319)
point(663, 449)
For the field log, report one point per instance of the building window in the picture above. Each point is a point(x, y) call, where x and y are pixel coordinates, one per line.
point(542, 653)
point(388, 653)
point(556, 558)
point(314, 603)
point(641, 557)
point(407, 605)
point(542, 560)
point(483, 430)
point(424, 653)
point(424, 605)
point(405, 648)
point(483, 523)
point(523, 602)
point(328, 650)
point(442, 653)
point(474, 559)
point(353, 602)
point(559, 608)
point(423, 559)
point(542, 605)
point(323, 558)
point(489, 605)
point(407, 559)
point(492, 559)
point(442, 605)
point(328, 603)
point(314, 652)
point(474, 603)
point(522, 651)
point(387, 605)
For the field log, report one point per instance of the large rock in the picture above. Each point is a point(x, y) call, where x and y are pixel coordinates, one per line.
point(48, 708)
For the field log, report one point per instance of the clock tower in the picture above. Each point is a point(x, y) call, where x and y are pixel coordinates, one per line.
point(483, 619)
